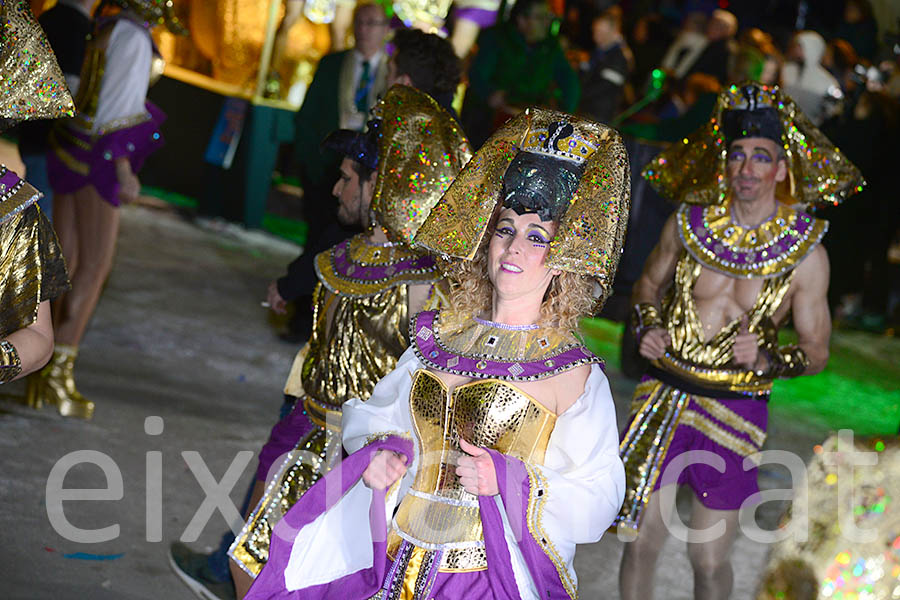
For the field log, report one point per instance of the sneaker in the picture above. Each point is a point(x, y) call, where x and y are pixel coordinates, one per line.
point(193, 569)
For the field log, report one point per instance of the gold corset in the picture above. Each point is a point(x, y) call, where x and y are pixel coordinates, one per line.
point(437, 513)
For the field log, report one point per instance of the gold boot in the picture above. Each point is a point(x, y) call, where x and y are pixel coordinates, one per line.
point(56, 385)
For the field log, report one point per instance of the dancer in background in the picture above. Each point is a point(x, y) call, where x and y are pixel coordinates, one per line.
point(92, 165)
point(733, 262)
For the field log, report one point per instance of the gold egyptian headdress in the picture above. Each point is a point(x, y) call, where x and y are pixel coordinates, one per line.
point(693, 170)
point(31, 83)
point(421, 148)
point(592, 220)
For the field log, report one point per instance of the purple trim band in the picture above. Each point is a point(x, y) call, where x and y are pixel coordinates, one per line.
point(790, 237)
point(480, 16)
point(270, 585)
point(434, 355)
point(516, 493)
point(344, 267)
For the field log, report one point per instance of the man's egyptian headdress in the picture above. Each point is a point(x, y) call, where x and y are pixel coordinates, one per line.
point(693, 170)
point(421, 149)
point(568, 169)
point(31, 84)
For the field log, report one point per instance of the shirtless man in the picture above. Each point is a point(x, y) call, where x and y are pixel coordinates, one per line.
point(722, 279)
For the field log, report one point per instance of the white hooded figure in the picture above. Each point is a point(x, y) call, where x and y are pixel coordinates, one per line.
point(812, 87)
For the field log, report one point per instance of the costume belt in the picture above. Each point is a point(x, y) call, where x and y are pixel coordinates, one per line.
point(697, 389)
point(323, 415)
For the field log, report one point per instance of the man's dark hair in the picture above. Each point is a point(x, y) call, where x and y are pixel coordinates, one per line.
point(429, 61)
point(523, 7)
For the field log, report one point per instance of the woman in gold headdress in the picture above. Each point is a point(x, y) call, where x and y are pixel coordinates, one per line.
point(497, 421)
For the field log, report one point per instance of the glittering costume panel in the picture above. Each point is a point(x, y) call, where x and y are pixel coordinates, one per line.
point(456, 343)
point(773, 248)
point(835, 496)
point(694, 169)
point(31, 83)
point(33, 267)
point(421, 149)
point(360, 317)
point(80, 156)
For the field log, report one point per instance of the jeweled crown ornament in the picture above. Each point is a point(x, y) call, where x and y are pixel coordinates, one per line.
point(559, 140)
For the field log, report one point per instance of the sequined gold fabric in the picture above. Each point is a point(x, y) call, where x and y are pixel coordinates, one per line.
point(421, 150)
point(823, 550)
point(591, 232)
point(693, 170)
point(31, 83)
point(708, 363)
point(314, 456)
point(427, 15)
point(32, 267)
point(721, 230)
point(459, 333)
point(438, 513)
point(362, 344)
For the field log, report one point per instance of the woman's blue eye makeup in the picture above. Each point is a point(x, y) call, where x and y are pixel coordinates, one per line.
point(501, 231)
point(538, 239)
point(736, 156)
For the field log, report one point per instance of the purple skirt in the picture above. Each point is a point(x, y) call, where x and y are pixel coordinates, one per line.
point(77, 159)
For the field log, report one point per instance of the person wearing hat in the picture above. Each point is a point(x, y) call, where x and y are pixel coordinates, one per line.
point(31, 87)
point(490, 451)
point(733, 262)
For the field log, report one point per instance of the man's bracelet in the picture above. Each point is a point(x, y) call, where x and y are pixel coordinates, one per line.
point(644, 317)
point(786, 362)
point(10, 364)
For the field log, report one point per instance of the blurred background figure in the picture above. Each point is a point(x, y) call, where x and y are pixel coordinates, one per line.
point(519, 63)
point(66, 26)
point(815, 90)
point(604, 76)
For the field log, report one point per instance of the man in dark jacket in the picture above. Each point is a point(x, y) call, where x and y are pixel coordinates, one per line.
point(603, 77)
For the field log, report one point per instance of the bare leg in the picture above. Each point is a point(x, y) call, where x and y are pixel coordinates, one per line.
point(711, 561)
point(639, 557)
point(242, 581)
point(96, 227)
point(293, 10)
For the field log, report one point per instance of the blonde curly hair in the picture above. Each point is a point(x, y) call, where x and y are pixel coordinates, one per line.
point(568, 298)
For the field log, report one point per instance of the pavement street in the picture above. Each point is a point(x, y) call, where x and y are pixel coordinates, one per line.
point(180, 335)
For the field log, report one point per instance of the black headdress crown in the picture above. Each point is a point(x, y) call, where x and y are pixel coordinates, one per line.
point(753, 119)
point(544, 176)
point(355, 145)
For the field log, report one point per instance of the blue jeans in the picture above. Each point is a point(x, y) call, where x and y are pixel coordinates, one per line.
point(36, 175)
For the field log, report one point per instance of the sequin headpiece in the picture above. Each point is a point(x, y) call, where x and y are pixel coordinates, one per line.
point(355, 145)
point(422, 149)
point(31, 84)
point(156, 12)
point(592, 219)
point(693, 170)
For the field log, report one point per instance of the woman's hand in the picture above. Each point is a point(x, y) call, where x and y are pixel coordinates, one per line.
point(476, 471)
point(385, 468)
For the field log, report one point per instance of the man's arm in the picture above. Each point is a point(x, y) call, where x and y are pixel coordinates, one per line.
point(34, 344)
point(809, 305)
point(658, 272)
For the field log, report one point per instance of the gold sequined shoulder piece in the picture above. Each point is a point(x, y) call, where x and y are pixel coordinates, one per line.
point(15, 194)
point(358, 268)
point(31, 83)
point(715, 240)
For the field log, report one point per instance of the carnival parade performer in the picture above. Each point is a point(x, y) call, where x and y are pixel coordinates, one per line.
point(34, 272)
point(495, 437)
point(369, 286)
point(91, 163)
point(734, 261)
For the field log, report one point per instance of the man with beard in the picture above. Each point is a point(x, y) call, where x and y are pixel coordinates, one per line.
point(733, 262)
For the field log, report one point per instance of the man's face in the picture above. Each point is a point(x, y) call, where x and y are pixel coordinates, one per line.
point(370, 27)
point(754, 169)
point(354, 198)
point(535, 25)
